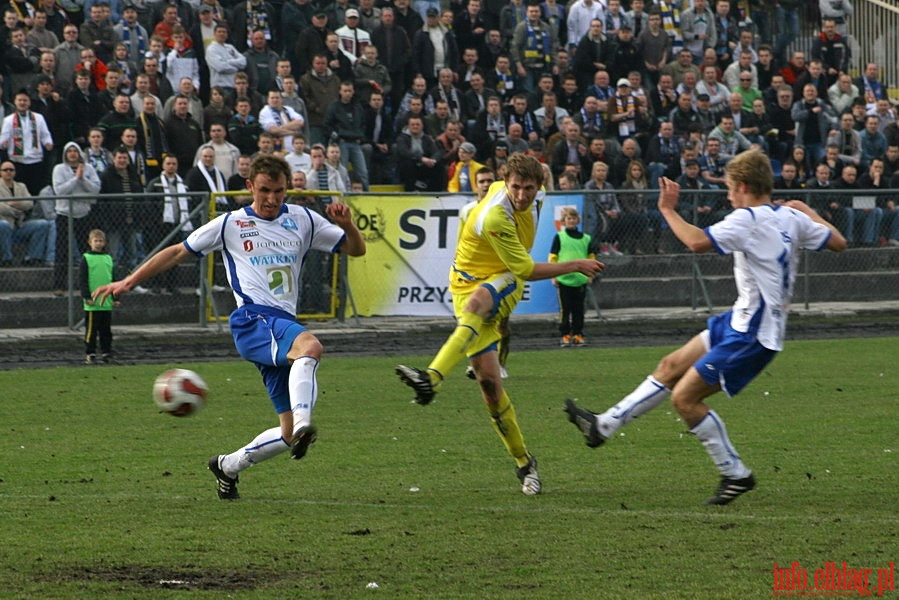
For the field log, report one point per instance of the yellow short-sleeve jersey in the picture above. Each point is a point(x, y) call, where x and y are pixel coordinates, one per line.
point(495, 238)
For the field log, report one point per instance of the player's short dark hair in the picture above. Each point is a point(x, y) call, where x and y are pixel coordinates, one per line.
point(271, 165)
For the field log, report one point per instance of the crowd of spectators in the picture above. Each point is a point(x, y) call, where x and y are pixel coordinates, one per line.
point(176, 96)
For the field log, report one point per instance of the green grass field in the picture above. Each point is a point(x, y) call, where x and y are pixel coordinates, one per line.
point(102, 496)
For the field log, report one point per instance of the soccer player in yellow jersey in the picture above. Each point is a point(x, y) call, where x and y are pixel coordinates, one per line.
point(487, 281)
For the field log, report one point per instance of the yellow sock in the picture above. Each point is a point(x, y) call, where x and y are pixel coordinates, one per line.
point(453, 349)
point(506, 425)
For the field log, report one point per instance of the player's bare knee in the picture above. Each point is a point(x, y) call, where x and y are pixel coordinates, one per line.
point(680, 402)
point(668, 371)
point(306, 345)
point(479, 303)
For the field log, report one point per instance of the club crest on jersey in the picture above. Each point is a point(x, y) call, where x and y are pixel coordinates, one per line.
point(288, 223)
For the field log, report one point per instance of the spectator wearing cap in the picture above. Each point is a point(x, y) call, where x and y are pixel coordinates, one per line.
point(353, 39)
point(434, 48)
point(625, 57)
point(500, 155)
point(47, 102)
point(623, 110)
point(201, 32)
point(310, 42)
point(423, 7)
point(462, 172)
point(707, 118)
point(296, 15)
point(133, 35)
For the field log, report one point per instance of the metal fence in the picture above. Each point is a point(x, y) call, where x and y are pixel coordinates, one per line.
point(40, 281)
point(647, 266)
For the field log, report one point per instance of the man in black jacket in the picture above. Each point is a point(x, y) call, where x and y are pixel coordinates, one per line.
point(418, 159)
point(394, 50)
point(122, 217)
point(378, 139)
point(343, 124)
point(184, 134)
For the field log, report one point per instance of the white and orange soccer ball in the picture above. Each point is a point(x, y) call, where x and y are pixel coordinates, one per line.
point(180, 392)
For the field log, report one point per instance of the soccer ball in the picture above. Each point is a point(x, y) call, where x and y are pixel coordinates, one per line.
point(180, 392)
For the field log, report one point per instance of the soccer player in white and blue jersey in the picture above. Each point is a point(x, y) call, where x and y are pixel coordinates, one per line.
point(263, 247)
point(765, 240)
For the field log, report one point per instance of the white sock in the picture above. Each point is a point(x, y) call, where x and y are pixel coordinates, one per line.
point(713, 435)
point(649, 394)
point(267, 444)
point(303, 390)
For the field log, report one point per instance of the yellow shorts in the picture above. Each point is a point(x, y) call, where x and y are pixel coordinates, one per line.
point(506, 291)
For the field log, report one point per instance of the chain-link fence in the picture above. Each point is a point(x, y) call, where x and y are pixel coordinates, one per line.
point(43, 239)
point(647, 266)
point(40, 283)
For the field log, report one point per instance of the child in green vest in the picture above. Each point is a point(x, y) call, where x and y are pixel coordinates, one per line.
point(569, 244)
point(97, 270)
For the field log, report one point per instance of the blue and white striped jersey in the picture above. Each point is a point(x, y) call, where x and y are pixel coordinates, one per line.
point(765, 241)
point(264, 259)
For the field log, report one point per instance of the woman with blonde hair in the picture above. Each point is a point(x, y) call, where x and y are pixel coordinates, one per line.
point(635, 212)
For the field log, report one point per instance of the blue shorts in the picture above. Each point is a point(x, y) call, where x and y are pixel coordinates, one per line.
point(733, 359)
point(263, 336)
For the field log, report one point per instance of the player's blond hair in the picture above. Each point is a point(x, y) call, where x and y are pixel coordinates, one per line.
point(753, 168)
point(526, 167)
point(570, 211)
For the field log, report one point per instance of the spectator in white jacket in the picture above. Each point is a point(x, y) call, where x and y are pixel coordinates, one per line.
point(224, 61)
point(579, 16)
point(182, 61)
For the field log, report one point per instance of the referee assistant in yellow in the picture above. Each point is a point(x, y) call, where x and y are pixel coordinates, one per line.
point(487, 281)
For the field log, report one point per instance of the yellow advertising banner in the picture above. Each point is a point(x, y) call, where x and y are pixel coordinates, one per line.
point(410, 245)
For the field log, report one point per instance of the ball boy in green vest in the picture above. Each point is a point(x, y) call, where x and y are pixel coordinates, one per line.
point(570, 244)
point(97, 270)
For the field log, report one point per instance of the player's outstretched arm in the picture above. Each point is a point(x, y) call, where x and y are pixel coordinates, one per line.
point(693, 237)
point(837, 242)
point(340, 213)
point(162, 261)
point(588, 266)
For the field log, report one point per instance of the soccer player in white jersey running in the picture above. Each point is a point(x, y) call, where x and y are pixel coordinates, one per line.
point(765, 240)
point(263, 246)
